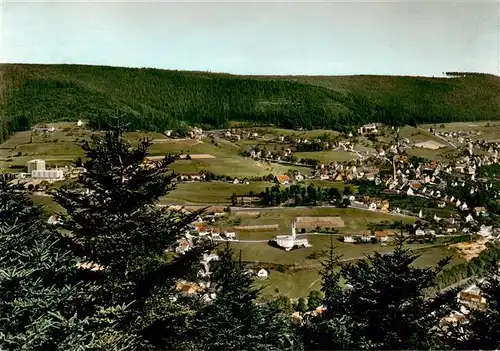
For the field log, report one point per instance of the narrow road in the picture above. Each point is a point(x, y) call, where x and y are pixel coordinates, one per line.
point(458, 284)
point(440, 137)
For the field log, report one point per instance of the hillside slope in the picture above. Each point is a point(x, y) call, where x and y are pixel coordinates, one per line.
point(159, 99)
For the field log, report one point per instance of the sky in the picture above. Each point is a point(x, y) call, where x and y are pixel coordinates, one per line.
point(280, 37)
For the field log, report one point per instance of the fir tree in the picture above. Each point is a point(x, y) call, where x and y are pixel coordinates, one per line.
point(121, 237)
point(389, 303)
point(234, 321)
point(330, 329)
point(38, 301)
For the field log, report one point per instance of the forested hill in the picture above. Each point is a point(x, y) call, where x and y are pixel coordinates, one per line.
point(158, 99)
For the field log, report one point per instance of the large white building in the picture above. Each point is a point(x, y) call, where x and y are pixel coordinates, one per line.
point(288, 242)
point(37, 170)
point(49, 174)
point(36, 165)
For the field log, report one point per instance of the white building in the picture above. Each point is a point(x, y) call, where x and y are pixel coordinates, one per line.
point(49, 174)
point(262, 273)
point(35, 165)
point(289, 241)
point(79, 123)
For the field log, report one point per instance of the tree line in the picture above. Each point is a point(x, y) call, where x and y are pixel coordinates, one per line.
point(157, 100)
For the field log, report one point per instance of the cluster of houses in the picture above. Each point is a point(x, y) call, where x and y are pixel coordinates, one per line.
point(367, 236)
point(196, 133)
point(340, 172)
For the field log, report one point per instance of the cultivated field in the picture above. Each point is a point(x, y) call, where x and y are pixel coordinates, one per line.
point(61, 148)
point(354, 220)
point(324, 222)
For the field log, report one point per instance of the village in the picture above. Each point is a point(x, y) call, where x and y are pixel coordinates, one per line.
point(376, 169)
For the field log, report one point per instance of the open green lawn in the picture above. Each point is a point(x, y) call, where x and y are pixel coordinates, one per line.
point(61, 148)
point(210, 192)
point(439, 154)
point(299, 283)
point(354, 219)
point(328, 156)
point(48, 204)
point(291, 284)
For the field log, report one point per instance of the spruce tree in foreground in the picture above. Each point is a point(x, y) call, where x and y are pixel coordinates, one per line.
point(389, 305)
point(121, 238)
point(38, 299)
point(329, 330)
point(234, 321)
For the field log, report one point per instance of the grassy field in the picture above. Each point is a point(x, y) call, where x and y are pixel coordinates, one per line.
point(291, 284)
point(439, 154)
point(328, 156)
point(47, 203)
point(354, 219)
point(61, 148)
point(210, 192)
point(295, 284)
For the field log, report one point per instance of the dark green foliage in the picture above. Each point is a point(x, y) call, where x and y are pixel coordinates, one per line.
point(38, 302)
point(283, 304)
point(113, 222)
point(331, 329)
point(388, 303)
point(233, 321)
point(314, 299)
point(301, 305)
point(297, 195)
point(158, 100)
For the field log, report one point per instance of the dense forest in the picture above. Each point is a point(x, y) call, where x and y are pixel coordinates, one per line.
point(156, 100)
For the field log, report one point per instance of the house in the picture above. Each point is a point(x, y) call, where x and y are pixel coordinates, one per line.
point(54, 220)
point(419, 232)
point(349, 239)
point(471, 297)
point(262, 273)
point(373, 206)
point(382, 236)
point(441, 204)
point(188, 288)
point(230, 235)
point(184, 245)
point(168, 133)
point(192, 176)
point(410, 192)
point(79, 123)
point(384, 206)
point(236, 181)
point(460, 167)
point(365, 237)
point(469, 218)
point(368, 129)
point(282, 179)
point(479, 210)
